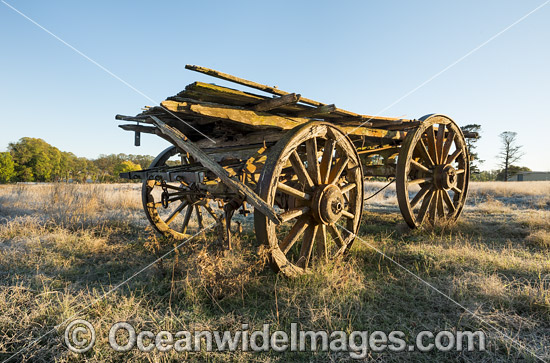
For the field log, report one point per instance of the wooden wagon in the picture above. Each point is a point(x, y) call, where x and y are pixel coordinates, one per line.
point(300, 163)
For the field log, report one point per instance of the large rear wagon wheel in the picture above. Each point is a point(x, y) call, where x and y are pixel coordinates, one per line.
point(313, 177)
point(433, 172)
point(170, 206)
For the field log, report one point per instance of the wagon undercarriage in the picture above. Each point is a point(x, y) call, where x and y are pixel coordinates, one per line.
point(300, 163)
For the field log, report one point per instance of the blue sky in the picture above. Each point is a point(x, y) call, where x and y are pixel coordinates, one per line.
point(360, 55)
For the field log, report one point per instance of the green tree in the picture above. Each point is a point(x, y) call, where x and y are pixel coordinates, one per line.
point(35, 159)
point(125, 167)
point(7, 167)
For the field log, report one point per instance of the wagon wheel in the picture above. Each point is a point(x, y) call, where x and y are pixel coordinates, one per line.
point(169, 206)
point(313, 176)
point(433, 172)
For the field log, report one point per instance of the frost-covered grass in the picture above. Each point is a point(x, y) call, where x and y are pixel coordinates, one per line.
point(63, 246)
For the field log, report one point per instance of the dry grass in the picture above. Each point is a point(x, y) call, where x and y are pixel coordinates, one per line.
point(63, 246)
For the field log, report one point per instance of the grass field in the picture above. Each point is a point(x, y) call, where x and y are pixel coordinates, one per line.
point(62, 247)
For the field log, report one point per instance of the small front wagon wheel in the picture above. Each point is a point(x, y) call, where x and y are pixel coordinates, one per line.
point(170, 206)
point(313, 177)
point(433, 172)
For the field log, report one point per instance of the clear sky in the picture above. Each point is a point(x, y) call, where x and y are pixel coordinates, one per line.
point(360, 55)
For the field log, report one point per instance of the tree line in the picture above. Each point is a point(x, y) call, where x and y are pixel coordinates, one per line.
point(34, 160)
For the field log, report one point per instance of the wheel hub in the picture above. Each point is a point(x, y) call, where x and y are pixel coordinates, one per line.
point(327, 204)
point(445, 177)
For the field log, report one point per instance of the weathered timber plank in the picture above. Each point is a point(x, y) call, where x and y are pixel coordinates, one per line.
point(219, 94)
point(223, 95)
point(248, 139)
point(241, 116)
point(374, 133)
point(180, 140)
point(278, 102)
point(318, 111)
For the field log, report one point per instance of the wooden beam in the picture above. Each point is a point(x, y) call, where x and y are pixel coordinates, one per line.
point(374, 133)
point(277, 102)
point(180, 140)
point(321, 110)
point(250, 118)
point(201, 91)
point(235, 114)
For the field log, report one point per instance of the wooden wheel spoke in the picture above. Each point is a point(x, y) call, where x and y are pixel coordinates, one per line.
point(300, 169)
point(439, 142)
point(292, 191)
point(346, 188)
point(295, 232)
point(447, 147)
point(420, 180)
point(424, 151)
point(338, 169)
point(419, 166)
point(451, 158)
point(425, 205)
point(175, 198)
point(326, 159)
point(335, 233)
point(440, 209)
point(432, 212)
point(449, 202)
point(176, 212)
point(348, 215)
point(210, 211)
point(431, 143)
point(199, 216)
point(456, 190)
point(321, 243)
point(187, 218)
point(307, 246)
point(293, 213)
point(312, 160)
point(418, 197)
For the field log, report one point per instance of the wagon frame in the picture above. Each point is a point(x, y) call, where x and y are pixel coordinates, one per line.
point(300, 163)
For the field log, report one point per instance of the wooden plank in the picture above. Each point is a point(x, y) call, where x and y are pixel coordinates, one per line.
point(180, 140)
point(318, 111)
point(273, 103)
point(206, 92)
point(374, 133)
point(218, 94)
point(234, 114)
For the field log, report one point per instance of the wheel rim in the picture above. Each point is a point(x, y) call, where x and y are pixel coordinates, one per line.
point(313, 175)
point(182, 202)
point(433, 172)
